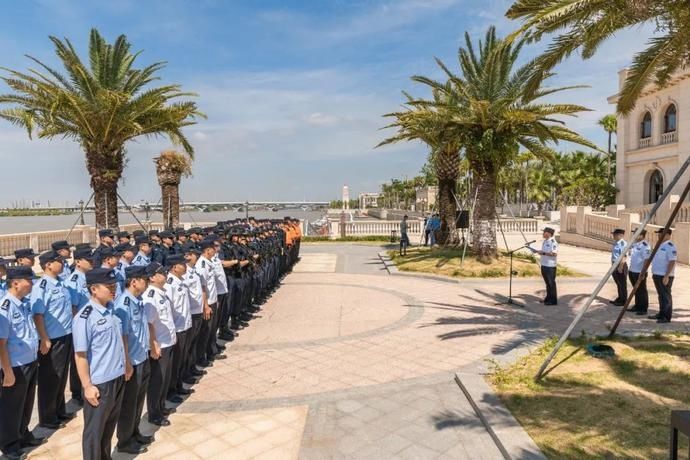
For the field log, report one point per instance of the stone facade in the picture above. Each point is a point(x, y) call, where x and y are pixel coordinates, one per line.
point(426, 198)
point(653, 141)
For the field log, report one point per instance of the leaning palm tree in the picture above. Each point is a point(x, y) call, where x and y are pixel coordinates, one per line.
point(610, 125)
point(171, 167)
point(488, 110)
point(102, 105)
point(583, 25)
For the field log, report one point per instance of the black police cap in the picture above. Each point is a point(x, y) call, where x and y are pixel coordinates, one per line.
point(176, 259)
point(137, 233)
point(142, 239)
point(49, 256)
point(135, 271)
point(26, 252)
point(123, 235)
point(108, 252)
point(166, 234)
point(205, 244)
point(83, 253)
point(20, 273)
point(57, 245)
point(191, 248)
point(154, 268)
point(101, 276)
point(105, 232)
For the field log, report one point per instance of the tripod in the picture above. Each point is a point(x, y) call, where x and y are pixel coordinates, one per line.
point(510, 300)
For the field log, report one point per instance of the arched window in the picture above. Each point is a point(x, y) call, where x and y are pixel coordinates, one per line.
point(646, 126)
point(656, 186)
point(670, 119)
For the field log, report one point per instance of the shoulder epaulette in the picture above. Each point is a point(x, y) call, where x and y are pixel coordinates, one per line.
point(203, 264)
point(170, 280)
point(152, 293)
point(75, 277)
point(126, 301)
point(42, 284)
point(6, 304)
point(86, 312)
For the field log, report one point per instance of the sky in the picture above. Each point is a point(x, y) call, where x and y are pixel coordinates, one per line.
point(294, 90)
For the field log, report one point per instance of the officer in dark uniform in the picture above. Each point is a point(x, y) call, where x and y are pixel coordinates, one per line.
point(18, 360)
point(166, 247)
point(156, 251)
point(106, 236)
point(25, 257)
point(129, 307)
point(124, 238)
point(100, 357)
point(51, 305)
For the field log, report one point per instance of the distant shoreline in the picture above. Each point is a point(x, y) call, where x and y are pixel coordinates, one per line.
point(33, 212)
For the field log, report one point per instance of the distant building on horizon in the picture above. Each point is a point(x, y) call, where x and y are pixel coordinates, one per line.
point(346, 197)
point(653, 141)
point(369, 200)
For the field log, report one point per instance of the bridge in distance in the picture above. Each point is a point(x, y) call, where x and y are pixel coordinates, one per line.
point(203, 206)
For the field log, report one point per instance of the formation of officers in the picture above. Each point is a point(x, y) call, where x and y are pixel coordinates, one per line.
point(127, 324)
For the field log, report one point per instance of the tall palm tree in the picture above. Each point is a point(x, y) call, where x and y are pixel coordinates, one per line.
point(101, 105)
point(583, 25)
point(610, 125)
point(171, 167)
point(488, 111)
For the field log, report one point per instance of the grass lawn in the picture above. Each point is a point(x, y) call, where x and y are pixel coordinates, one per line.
point(589, 408)
point(448, 262)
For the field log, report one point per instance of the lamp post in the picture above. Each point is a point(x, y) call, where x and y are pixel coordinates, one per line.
point(246, 210)
point(147, 209)
point(81, 217)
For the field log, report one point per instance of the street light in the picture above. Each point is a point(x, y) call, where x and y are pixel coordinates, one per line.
point(81, 217)
point(246, 210)
point(147, 208)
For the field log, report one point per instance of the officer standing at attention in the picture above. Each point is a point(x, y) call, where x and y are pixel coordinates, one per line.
point(197, 303)
point(162, 332)
point(127, 254)
point(178, 293)
point(63, 249)
point(18, 352)
point(25, 257)
point(143, 257)
point(109, 259)
point(106, 236)
point(204, 268)
point(639, 254)
point(3, 281)
point(129, 307)
point(620, 275)
point(124, 238)
point(100, 357)
point(663, 273)
point(51, 306)
point(549, 253)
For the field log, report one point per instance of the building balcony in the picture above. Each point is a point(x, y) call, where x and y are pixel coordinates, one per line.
point(644, 143)
point(669, 138)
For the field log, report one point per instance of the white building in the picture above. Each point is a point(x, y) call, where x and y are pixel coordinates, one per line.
point(425, 199)
point(369, 200)
point(346, 197)
point(653, 141)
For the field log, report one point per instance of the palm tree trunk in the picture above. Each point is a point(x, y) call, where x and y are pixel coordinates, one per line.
point(105, 168)
point(447, 170)
point(484, 216)
point(170, 196)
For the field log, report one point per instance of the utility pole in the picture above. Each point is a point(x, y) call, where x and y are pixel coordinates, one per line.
point(246, 210)
point(81, 217)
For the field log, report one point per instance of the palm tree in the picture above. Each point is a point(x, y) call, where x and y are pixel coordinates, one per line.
point(102, 106)
point(488, 111)
point(171, 166)
point(610, 125)
point(583, 25)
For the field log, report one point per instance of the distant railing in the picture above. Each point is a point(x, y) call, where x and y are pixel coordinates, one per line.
point(520, 225)
point(600, 227)
point(385, 227)
point(571, 225)
point(669, 138)
point(645, 142)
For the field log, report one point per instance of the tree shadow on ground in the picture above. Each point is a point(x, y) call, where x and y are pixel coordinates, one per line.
point(452, 419)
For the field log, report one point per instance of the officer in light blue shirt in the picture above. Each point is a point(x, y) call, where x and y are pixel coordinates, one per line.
point(640, 252)
point(620, 275)
point(100, 357)
point(143, 257)
point(62, 247)
point(127, 253)
point(52, 309)
point(663, 274)
point(3, 272)
point(76, 284)
point(129, 307)
point(18, 361)
point(109, 259)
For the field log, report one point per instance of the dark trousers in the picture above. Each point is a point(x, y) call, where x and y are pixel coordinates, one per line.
point(180, 350)
point(133, 403)
point(202, 339)
point(161, 371)
point(52, 379)
point(191, 357)
point(621, 280)
point(227, 305)
point(100, 421)
point(212, 338)
point(641, 295)
point(665, 298)
point(549, 275)
point(16, 405)
point(74, 382)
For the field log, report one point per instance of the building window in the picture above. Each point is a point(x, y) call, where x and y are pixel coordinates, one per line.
point(656, 186)
point(670, 119)
point(646, 126)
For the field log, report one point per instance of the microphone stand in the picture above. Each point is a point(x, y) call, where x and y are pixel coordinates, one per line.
point(510, 300)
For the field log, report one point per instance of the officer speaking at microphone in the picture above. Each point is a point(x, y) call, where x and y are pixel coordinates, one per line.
point(100, 357)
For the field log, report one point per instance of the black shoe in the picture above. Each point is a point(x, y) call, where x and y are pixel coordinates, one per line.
point(132, 448)
point(67, 416)
point(204, 363)
point(159, 421)
point(220, 347)
point(167, 411)
point(189, 381)
point(633, 308)
point(227, 337)
point(663, 320)
point(247, 316)
point(236, 327)
point(32, 441)
point(657, 316)
point(220, 357)
point(14, 455)
point(617, 304)
point(175, 399)
point(142, 439)
point(197, 373)
point(641, 312)
point(52, 425)
point(614, 301)
point(185, 392)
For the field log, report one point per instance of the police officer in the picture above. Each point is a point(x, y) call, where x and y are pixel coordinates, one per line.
point(663, 273)
point(156, 251)
point(549, 253)
point(163, 337)
point(127, 254)
point(639, 254)
point(100, 357)
point(198, 306)
point(62, 247)
point(51, 306)
point(129, 307)
point(143, 257)
point(166, 247)
point(620, 275)
point(178, 293)
point(107, 240)
point(124, 238)
point(18, 354)
point(214, 349)
point(25, 257)
point(3, 281)
point(204, 268)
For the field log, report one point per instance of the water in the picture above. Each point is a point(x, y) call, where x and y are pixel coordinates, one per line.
point(28, 224)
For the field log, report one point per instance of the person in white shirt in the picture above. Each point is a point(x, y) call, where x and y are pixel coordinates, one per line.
point(663, 273)
point(178, 293)
point(639, 255)
point(199, 309)
point(163, 337)
point(549, 253)
point(222, 285)
point(620, 275)
point(204, 267)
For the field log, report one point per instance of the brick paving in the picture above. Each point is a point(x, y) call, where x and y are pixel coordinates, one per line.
point(345, 361)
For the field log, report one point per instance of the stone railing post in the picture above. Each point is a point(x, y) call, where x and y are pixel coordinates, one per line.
point(665, 210)
point(681, 238)
point(627, 221)
point(33, 242)
point(613, 210)
point(582, 212)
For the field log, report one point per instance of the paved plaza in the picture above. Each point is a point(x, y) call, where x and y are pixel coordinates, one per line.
point(348, 361)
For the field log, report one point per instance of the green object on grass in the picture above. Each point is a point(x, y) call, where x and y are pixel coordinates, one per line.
point(599, 350)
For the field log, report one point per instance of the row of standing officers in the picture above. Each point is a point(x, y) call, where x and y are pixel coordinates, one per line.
point(134, 331)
